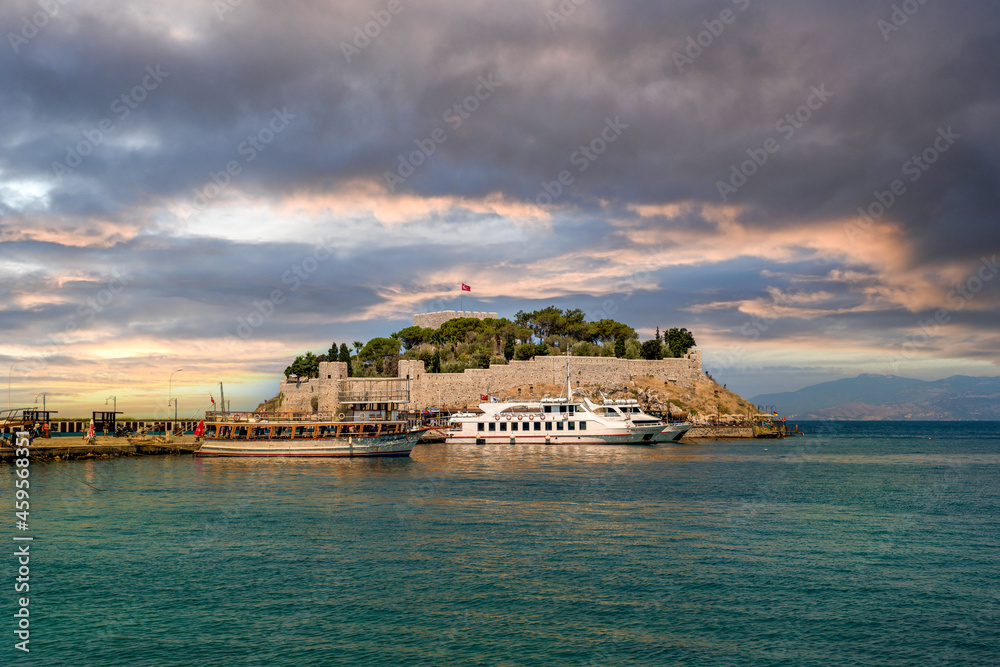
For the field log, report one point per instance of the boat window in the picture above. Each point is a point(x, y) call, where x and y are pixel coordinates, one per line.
point(571, 408)
point(493, 426)
point(571, 425)
point(547, 408)
point(503, 426)
point(559, 426)
point(480, 426)
point(513, 426)
point(583, 426)
point(548, 426)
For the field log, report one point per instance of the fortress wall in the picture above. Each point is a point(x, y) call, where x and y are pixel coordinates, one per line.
point(298, 393)
point(435, 389)
point(436, 319)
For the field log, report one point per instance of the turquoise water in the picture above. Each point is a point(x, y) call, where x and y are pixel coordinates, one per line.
point(872, 543)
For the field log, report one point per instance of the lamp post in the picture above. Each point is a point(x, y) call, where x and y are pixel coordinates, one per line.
point(166, 434)
point(9, 370)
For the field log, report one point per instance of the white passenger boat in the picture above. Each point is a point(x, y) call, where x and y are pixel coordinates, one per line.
point(554, 421)
point(630, 409)
point(305, 434)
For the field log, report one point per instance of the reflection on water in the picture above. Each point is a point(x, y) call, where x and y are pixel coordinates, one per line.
point(839, 548)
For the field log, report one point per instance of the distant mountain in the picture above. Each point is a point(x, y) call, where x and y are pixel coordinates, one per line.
point(870, 396)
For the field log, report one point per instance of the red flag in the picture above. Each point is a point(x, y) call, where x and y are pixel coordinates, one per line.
point(484, 397)
point(200, 429)
point(212, 398)
point(466, 288)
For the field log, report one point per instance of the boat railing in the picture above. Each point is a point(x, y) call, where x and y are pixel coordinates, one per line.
point(291, 416)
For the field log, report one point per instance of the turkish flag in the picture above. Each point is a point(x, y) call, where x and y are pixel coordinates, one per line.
point(483, 397)
point(466, 288)
point(200, 429)
point(212, 398)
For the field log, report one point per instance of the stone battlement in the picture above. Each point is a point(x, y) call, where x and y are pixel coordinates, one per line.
point(436, 389)
point(435, 320)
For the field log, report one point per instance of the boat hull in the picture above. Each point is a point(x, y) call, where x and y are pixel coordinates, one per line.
point(673, 432)
point(644, 436)
point(386, 445)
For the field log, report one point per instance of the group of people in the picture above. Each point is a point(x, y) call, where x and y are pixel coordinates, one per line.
point(36, 430)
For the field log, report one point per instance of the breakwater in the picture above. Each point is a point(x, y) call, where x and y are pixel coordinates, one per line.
point(719, 432)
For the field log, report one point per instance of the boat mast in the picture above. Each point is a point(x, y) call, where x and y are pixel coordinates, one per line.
point(569, 389)
point(222, 397)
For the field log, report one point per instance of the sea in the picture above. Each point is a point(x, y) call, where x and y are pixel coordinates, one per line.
point(858, 543)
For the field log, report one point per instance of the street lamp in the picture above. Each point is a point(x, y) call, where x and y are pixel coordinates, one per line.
point(8, 383)
point(170, 382)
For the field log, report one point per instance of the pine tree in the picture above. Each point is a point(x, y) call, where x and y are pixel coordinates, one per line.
point(345, 356)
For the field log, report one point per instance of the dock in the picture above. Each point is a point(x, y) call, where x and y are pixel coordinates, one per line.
point(102, 447)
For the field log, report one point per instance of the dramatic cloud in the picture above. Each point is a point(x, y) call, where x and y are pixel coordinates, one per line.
point(810, 187)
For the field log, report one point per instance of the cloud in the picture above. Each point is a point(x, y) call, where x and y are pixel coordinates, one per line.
point(206, 153)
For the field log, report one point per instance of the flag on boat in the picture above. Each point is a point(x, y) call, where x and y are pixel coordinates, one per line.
point(494, 399)
point(211, 398)
point(466, 288)
point(199, 430)
point(484, 398)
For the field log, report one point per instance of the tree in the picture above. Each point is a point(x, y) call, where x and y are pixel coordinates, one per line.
point(482, 358)
point(632, 350)
point(357, 346)
point(381, 352)
point(345, 357)
point(331, 354)
point(524, 351)
point(679, 341)
point(436, 362)
point(585, 349)
point(410, 337)
point(652, 349)
point(456, 330)
point(607, 330)
point(306, 366)
point(508, 347)
point(620, 347)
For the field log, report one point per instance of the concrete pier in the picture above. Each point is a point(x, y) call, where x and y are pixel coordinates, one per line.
point(55, 449)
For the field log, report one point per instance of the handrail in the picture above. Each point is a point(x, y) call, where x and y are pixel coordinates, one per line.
point(304, 418)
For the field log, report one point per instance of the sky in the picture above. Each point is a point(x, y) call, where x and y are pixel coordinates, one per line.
point(195, 192)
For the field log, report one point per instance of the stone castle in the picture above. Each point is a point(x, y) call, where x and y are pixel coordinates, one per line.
point(458, 389)
point(435, 320)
